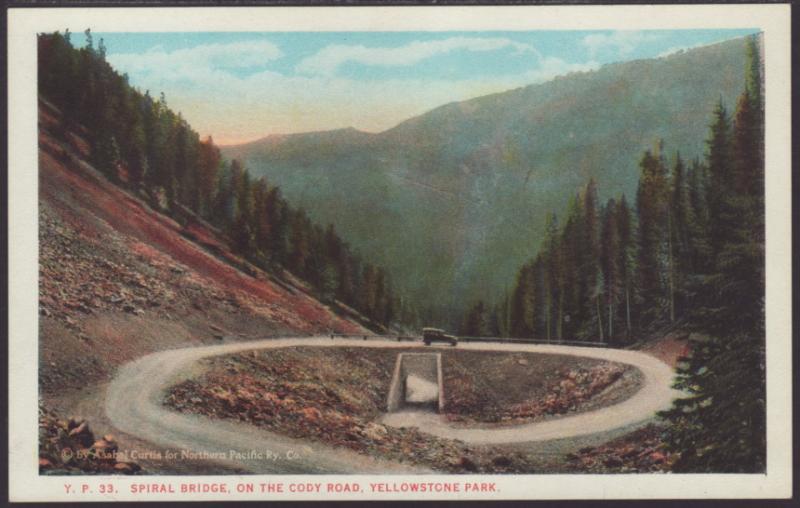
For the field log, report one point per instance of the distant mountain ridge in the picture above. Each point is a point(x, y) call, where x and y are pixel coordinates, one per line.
point(454, 200)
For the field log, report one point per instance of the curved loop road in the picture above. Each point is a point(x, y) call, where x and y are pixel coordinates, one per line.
point(135, 395)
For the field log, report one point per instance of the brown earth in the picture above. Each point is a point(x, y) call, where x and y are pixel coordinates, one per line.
point(668, 347)
point(70, 447)
point(502, 388)
point(118, 280)
point(336, 395)
point(641, 451)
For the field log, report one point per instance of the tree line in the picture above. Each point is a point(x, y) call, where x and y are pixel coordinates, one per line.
point(690, 252)
point(138, 142)
point(611, 271)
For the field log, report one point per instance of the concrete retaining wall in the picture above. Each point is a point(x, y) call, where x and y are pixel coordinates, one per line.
point(427, 366)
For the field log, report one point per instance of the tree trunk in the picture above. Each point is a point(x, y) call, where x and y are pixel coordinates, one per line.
point(560, 317)
point(547, 319)
point(507, 318)
point(628, 309)
point(599, 319)
point(671, 269)
point(610, 321)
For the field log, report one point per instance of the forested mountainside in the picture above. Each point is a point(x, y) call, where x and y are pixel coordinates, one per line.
point(140, 144)
point(688, 249)
point(458, 198)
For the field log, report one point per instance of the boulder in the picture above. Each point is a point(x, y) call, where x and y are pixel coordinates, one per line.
point(123, 467)
point(466, 464)
point(374, 431)
point(501, 461)
point(82, 434)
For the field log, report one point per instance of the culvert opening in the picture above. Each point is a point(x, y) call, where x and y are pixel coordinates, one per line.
point(417, 383)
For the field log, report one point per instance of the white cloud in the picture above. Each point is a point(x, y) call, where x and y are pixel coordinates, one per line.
point(232, 55)
point(621, 42)
point(330, 58)
point(677, 49)
point(550, 67)
point(674, 50)
point(238, 107)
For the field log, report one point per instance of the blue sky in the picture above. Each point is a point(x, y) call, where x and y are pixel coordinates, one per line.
point(243, 86)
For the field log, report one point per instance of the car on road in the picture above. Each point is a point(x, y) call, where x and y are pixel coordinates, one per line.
point(430, 335)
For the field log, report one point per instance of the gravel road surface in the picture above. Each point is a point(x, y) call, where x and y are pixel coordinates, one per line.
point(134, 405)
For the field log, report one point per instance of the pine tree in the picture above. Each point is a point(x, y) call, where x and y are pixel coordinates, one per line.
point(626, 260)
point(502, 314)
point(653, 248)
point(539, 277)
point(680, 213)
point(721, 425)
point(476, 322)
point(300, 244)
point(571, 241)
point(553, 302)
point(262, 221)
point(700, 253)
point(209, 161)
point(610, 246)
point(720, 167)
point(591, 260)
point(522, 304)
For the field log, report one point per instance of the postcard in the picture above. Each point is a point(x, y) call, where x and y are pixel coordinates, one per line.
point(450, 253)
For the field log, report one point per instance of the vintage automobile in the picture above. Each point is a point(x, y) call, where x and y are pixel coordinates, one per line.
point(430, 335)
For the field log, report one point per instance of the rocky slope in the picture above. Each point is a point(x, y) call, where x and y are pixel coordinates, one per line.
point(70, 447)
point(337, 395)
point(118, 280)
point(502, 389)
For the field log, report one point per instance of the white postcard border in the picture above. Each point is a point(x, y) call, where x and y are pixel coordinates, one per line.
point(25, 484)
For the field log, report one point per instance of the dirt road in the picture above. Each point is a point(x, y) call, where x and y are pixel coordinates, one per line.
point(134, 405)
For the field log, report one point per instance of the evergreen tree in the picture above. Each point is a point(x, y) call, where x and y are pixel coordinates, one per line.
point(700, 254)
point(502, 318)
point(591, 261)
point(627, 259)
point(539, 282)
point(653, 247)
point(680, 215)
point(611, 264)
point(572, 250)
point(720, 167)
point(107, 157)
point(262, 221)
point(300, 245)
point(553, 298)
point(209, 161)
point(721, 425)
point(522, 304)
point(476, 323)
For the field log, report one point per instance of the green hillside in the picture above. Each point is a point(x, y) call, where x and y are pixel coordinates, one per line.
point(452, 202)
